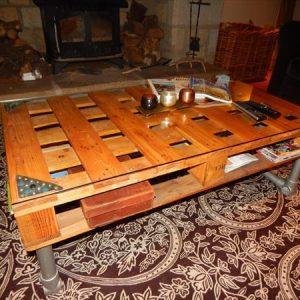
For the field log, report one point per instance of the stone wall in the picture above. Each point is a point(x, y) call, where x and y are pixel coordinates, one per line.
point(174, 17)
point(29, 15)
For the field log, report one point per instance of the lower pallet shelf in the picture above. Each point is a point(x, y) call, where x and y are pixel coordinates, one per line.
point(73, 222)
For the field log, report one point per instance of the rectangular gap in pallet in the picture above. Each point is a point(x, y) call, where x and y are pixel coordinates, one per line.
point(123, 100)
point(199, 118)
point(168, 176)
point(260, 125)
point(234, 112)
point(59, 174)
point(104, 118)
point(122, 158)
point(156, 127)
point(48, 126)
point(53, 144)
point(135, 155)
point(180, 144)
point(224, 133)
point(67, 207)
point(76, 169)
point(291, 117)
point(65, 145)
point(112, 136)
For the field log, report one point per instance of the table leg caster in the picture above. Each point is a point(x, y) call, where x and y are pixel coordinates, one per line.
point(49, 276)
point(288, 186)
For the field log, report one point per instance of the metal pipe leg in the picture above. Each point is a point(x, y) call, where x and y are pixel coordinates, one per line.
point(49, 276)
point(288, 186)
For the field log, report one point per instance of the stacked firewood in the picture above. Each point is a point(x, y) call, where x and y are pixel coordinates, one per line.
point(16, 55)
point(9, 30)
point(141, 37)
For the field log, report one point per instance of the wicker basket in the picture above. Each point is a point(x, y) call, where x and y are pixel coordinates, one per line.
point(245, 50)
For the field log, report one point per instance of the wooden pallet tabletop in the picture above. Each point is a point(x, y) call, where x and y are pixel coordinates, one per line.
point(90, 135)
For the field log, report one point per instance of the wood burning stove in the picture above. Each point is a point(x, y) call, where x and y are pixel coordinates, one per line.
point(78, 30)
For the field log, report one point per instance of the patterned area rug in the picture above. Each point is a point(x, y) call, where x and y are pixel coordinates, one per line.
point(240, 241)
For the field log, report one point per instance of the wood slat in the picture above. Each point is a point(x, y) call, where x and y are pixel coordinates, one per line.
point(91, 189)
point(50, 136)
point(38, 227)
point(23, 151)
point(232, 123)
point(97, 159)
point(270, 129)
point(73, 222)
point(61, 159)
point(92, 112)
point(210, 171)
point(155, 149)
point(42, 106)
point(189, 129)
point(38, 107)
point(285, 107)
point(137, 91)
point(40, 121)
point(83, 101)
point(195, 133)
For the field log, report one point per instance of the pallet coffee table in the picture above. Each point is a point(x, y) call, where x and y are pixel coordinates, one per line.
point(181, 153)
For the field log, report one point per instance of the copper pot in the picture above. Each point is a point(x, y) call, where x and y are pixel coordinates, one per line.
point(187, 95)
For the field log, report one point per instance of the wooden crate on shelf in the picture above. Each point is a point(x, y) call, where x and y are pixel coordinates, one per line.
point(89, 136)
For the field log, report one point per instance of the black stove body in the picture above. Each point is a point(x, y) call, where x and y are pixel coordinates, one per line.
point(77, 30)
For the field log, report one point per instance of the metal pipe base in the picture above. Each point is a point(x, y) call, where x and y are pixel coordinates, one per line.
point(49, 276)
point(288, 186)
point(52, 285)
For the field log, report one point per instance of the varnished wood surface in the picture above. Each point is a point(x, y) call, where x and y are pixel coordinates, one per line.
point(154, 148)
point(92, 131)
point(72, 222)
point(23, 151)
point(97, 159)
point(89, 136)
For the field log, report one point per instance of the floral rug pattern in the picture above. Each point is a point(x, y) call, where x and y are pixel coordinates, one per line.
point(240, 241)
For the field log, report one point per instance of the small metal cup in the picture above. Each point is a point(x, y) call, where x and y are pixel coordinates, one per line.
point(168, 98)
point(187, 95)
point(149, 101)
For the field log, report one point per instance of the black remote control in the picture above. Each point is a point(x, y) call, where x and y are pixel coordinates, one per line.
point(265, 109)
point(249, 110)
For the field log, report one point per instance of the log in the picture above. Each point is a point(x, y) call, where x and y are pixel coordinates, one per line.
point(136, 27)
point(134, 55)
point(2, 31)
point(12, 34)
point(9, 29)
point(150, 21)
point(20, 43)
point(131, 40)
point(156, 33)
